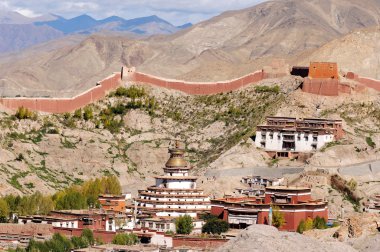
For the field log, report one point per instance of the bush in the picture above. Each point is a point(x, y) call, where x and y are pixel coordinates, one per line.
point(215, 226)
point(88, 113)
point(319, 223)
point(24, 113)
point(125, 239)
point(267, 89)
point(308, 224)
point(184, 224)
point(131, 92)
point(370, 142)
point(78, 114)
point(301, 227)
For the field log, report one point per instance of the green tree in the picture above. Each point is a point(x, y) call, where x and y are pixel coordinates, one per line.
point(71, 198)
point(184, 224)
point(308, 224)
point(111, 185)
point(4, 211)
point(79, 242)
point(278, 218)
point(125, 239)
point(319, 223)
point(88, 235)
point(215, 226)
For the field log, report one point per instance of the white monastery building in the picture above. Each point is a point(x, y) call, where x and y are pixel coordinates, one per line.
point(285, 136)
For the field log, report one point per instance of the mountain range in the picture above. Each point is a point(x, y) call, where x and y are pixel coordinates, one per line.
point(19, 32)
point(227, 46)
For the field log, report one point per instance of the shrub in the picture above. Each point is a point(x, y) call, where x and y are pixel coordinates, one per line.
point(184, 224)
point(131, 92)
point(24, 113)
point(301, 227)
point(370, 142)
point(78, 113)
point(267, 89)
point(319, 223)
point(88, 113)
point(308, 224)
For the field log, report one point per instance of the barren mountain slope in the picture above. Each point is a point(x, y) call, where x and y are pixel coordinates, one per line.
point(70, 69)
point(236, 39)
point(223, 47)
point(358, 51)
point(19, 36)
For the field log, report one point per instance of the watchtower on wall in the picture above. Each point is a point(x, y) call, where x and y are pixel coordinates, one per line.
point(323, 70)
point(323, 79)
point(127, 72)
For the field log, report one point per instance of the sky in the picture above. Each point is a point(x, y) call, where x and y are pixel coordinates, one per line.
point(175, 11)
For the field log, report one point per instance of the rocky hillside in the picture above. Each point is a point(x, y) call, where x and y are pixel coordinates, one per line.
point(126, 134)
point(227, 46)
point(358, 51)
point(267, 238)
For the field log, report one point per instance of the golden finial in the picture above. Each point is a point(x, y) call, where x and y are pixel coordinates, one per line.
point(176, 144)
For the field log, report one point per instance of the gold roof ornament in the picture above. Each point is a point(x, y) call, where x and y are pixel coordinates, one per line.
point(176, 157)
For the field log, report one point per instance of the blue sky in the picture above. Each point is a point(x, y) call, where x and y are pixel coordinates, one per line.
point(175, 11)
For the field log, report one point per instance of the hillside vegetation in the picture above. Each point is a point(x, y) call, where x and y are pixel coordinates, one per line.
point(126, 135)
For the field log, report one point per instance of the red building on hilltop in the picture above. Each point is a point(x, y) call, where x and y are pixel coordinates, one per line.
point(294, 202)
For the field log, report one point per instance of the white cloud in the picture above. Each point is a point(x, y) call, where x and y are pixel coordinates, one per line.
point(27, 12)
point(175, 11)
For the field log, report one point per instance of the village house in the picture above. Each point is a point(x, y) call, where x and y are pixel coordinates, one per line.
point(257, 185)
point(373, 205)
point(295, 203)
point(290, 137)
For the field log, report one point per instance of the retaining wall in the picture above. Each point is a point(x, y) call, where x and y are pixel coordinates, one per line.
point(194, 88)
point(62, 105)
point(194, 242)
point(327, 87)
point(105, 236)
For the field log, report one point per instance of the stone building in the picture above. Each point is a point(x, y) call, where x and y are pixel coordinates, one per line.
point(288, 137)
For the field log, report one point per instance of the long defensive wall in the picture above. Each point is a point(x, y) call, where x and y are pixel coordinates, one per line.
point(321, 85)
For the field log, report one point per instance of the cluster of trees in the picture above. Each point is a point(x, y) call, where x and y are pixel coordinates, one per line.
point(317, 223)
point(125, 239)
point(86, 195)
point(60, 243)
point(214, 225)
point(73, 197)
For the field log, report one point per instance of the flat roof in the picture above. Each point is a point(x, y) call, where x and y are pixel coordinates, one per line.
point(287, 188)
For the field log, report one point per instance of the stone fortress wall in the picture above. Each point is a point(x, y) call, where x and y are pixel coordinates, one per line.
point(316, 83)
point(62, 105)
point(193, 88)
